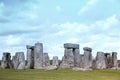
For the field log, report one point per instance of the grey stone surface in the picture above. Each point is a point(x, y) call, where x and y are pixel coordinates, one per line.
point(68, 59)
point(46, 60)
point(6, 60)
point(87, 49)
point(100, 61)
point(30, 57)
point(19, 60)
point(64, 63)
point(94, 64)
point(81, 60)
point(55, 61)
point(87, 58)
point(38, 56)
point(108, 58)
point(71, 56)
point(118, 63)
point(76, 57)
point(114, 60)
point(70, 45)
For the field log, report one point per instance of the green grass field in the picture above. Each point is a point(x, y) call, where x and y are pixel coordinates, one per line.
point(60, 74)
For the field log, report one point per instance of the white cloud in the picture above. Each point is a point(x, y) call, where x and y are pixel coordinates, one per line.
point(89, 5)
point(12, 40)
point(99, 35)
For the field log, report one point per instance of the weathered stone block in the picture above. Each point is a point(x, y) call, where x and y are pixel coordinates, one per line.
point(100, 61)
point(6, 60)
point(81, 61)
point(87, 49)
point(76, 57)
point(87, 58)
point(55, 61)
point(46, 60)
point(108, 59)
point(30, 57)
point(38, 56)
point(114, 60)
point(19, 60)
point(69, 45)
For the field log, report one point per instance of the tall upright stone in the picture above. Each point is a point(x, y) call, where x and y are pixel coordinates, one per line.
point(87, 58)
point(71, 56)
point(108, 59)
point(76, 57)
point(30, 57)
point(38, 56)
point(46, 60)
point(100, 61)
point(6, 60)
point(114, 60)
point(19, 60)
point(81, 60)
point(55, 61)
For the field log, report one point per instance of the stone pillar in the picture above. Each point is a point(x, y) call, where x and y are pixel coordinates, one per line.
point(55, 61)
point(46, 60)
point(82, 61)
point(108, 59)
point(38, 56)
point(6, 60)
point(30, 57)
point(76, 57)
point(87, 58)
point(114, 60)
point(100, 61)
point(19, 60)
point(71, 56)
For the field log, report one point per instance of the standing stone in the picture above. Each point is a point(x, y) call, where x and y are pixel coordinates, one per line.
point(46, 60)
point(82, 61)
point(118, 63)
point(76, 57)
point(68, 59)
point(55, 61)
point(19, 60)
point(100, 61)
point(38, 56)
point(114, 60)
point(108, 60)
point(87, 58)
point(30, 57)
point(71, 56)
point(6, 60)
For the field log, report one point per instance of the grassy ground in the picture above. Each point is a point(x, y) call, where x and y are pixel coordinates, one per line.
point(60, 74)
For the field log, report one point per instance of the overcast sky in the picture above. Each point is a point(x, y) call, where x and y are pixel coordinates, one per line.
point(90, 23)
